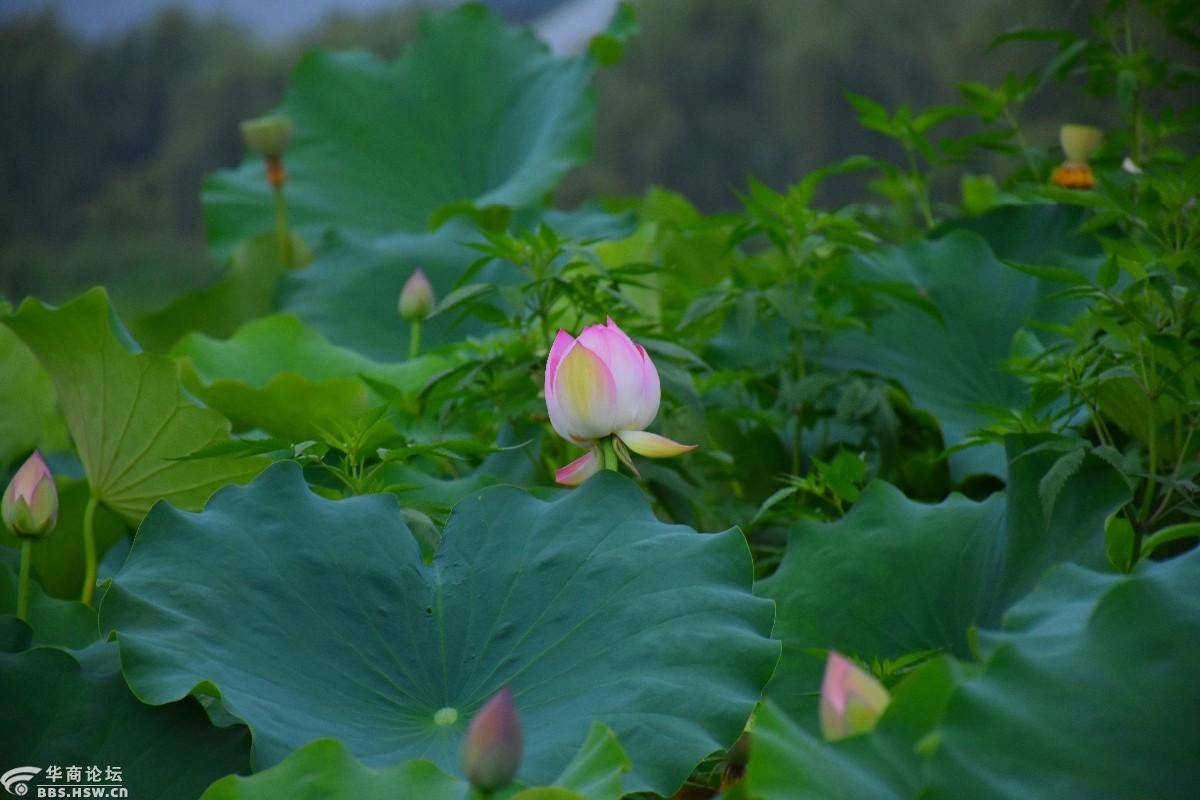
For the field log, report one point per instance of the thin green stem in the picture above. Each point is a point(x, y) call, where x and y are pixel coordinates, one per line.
point(610, 455)
point(281, 229)
point(89, 551)
point(23, 581)
point(414, 340)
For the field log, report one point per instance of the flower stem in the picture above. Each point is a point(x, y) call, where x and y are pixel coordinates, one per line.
point(23, 581)
point(281, 228)
point(610, 455)
point(414, 340)
point(89, 551)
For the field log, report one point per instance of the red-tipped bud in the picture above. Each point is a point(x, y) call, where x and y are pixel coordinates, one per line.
point(30, 504)
point(491, 753)
point(416, 298)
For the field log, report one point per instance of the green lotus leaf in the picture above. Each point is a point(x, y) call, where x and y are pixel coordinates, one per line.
point(58, 623)
point(350, 291)
point(949, 351)
point(895, 576)
point(125, 410)
point(790, 759)
point(279, 375)
point(30, 417)
point(473, 112)
point(1086, 694)
point(1039, 234)
point(74, 709)
point(326, 770)
point(246, 292)
point(316, 618)
point(1089, 692)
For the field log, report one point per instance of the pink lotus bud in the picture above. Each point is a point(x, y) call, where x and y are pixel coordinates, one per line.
point(851, 700)
point(602, 384)
point(416, 298)
point(30, 504)
point(491, 753)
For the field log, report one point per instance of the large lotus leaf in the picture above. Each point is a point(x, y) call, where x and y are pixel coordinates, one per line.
point(55, 622)
point(279, 375)
point(317, 618)
point(247, 291)
point(895, 576)
point(1040, 234)
point(58, 558)
point(1088, 693)
point(125, 410)
point(349, 292)
point(791, 760)
point(67, 709)
point(472, 112)
point(949, 354)
point(30, 417)
point(326, 770)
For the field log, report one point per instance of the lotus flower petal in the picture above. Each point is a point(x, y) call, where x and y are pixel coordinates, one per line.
point(652, 445)
point(626, 364)
point(578, 470)
point(583, 399)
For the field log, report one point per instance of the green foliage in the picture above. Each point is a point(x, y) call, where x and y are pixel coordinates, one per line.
point(126, 412)
point(956, 428)
point(355, 607)
point(1011, 728)
point(327, 771)
point(473, 113)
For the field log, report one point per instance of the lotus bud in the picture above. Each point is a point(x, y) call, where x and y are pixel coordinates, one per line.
point(851, 699)
point(491, 753)
point(1079, 142)
point(268, 136)
point(416, 298)
point(602, 384)
point(30, 504)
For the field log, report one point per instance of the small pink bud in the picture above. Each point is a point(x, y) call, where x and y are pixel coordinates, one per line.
point(491, 753)
point(851, 699)
point(416, 298)
point(30, 504)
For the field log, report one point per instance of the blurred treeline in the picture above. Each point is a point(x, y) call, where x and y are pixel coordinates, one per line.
point(103, 145)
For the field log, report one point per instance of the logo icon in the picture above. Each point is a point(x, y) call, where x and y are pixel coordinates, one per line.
point(16, 780)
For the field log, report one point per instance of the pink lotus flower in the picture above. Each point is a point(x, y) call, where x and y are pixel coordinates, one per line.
point(851, 700)
point(600, 385)
point(30, 504)
point(491, 753)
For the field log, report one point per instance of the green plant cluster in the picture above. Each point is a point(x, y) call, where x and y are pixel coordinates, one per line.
point(955, 441)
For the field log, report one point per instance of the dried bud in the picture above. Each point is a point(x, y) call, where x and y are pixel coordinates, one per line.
point(416, 298)
point(491, 753)
point(268, 136)
point(851, 700)
point(30, 504)
point(1079, 142)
